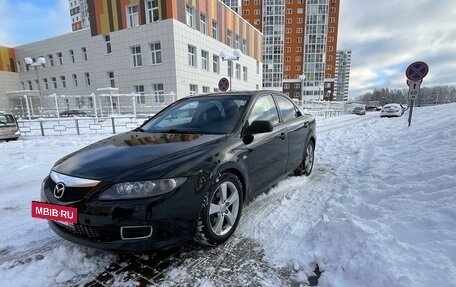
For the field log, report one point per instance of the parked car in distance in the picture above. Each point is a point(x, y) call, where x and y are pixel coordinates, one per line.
point(184, 174)
point(9, 128)
point(392, 110)
point(73, 113)
point(359, 111)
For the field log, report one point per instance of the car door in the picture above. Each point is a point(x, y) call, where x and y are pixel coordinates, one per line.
point(268, 152)
point(296, 128)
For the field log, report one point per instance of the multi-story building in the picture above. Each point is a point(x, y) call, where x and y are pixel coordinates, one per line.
point(143, 47)
point(79, 13)
point(300, 43)
point(343, 63)
point(235, 5)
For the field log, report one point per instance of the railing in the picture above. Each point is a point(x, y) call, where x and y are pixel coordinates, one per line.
point(78, 126)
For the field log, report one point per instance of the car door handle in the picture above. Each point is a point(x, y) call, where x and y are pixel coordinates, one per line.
point(306, 124)
point(283, 136)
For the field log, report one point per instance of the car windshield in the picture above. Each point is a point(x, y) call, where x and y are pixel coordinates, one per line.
point(206, 115)
point(6, 119)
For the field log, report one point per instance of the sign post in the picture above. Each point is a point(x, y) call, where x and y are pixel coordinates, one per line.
point(415, 73)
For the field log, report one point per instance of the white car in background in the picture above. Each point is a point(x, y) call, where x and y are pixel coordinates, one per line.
point(392, 110)
point(9, 128)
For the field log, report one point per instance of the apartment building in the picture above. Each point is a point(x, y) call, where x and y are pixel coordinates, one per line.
point(79, 13)
point(299, 46)
point(145, 47)
point(342, 80)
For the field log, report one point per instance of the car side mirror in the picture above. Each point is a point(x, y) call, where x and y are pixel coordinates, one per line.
point(259, 127)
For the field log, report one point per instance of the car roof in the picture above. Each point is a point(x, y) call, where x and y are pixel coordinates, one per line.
point(252, 94)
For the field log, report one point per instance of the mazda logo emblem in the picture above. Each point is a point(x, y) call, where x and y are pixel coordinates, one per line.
point(59, 190)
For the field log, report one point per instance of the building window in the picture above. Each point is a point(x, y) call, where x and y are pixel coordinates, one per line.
point(75, 80)
point(215, 64)
point(46, 84)
point(152, 12)
point(71, 55)
point(228, 37)
point(214, 30)
point(288, 31)
point(87, 79)
point(203, 24)
point(192, 56)
point(59, 56)
point(238, 71)
point(193, 89)
point(331, 39)
point(136, 59)
point(244, 46)
point(332, 20)
point(84, 53)
point(132, 16)
point(30, 85)
point(204, 60)
point(286, 86)
point(155, 53)
point(108, 44)
point(62, 78)
point(236, 42)
point(244, 73)
point(54, 82)
point(112, 82)
point(289, 20)
point(287, 68)
point(190, 16)
point(141, 99)
point(256, 22)
point(51, 61)
point(159, 93)
point(257, 12)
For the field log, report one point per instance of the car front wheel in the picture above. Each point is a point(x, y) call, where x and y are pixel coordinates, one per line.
point(305, 168)
point(221, 211)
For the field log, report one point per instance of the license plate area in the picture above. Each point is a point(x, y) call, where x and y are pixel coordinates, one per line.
point(65, 215)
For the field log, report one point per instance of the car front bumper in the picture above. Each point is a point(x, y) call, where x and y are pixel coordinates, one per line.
point(136, 224)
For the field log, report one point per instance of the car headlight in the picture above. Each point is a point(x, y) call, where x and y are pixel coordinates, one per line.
point(141, 189)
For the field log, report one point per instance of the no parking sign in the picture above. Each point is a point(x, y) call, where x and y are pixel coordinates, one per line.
point(415, 73)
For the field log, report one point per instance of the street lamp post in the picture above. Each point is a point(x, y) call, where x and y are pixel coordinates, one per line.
point(302, 78)
point(230, 58)
point(40, 62)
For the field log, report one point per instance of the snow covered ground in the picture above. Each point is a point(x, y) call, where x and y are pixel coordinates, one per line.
point(378, 210)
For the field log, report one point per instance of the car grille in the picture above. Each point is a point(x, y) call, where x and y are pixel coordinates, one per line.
point(88, 232)
point(71, 193)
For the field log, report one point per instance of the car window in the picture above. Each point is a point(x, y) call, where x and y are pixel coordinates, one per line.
point(264, 110)
point(6, 119)
point(287, 109)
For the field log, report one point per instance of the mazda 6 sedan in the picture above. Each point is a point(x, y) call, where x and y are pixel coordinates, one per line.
point(184, 174)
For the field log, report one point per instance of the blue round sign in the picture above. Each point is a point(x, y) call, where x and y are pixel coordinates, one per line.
point(223, 84)
point(417, 71)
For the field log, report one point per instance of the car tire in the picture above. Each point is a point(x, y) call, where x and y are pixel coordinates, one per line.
point(221, 211)
point(306, 166)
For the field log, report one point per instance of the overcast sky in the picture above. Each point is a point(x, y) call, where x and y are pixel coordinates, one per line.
point(385, 36)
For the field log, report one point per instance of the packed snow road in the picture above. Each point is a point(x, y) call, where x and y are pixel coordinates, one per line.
point(369, 215)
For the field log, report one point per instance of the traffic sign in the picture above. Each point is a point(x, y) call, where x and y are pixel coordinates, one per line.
point(417, 71)
point(414, 89)
point(223, 84)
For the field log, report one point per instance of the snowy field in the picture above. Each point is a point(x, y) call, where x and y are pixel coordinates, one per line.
point(378, 210)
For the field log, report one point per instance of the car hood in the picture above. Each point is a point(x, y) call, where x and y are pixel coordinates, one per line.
point(116, 157)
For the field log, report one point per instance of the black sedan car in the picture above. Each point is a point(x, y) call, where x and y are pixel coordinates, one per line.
point(184, 174)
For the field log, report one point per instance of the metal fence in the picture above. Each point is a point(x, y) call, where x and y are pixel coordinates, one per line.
point(24, 106)
point(79, 126)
